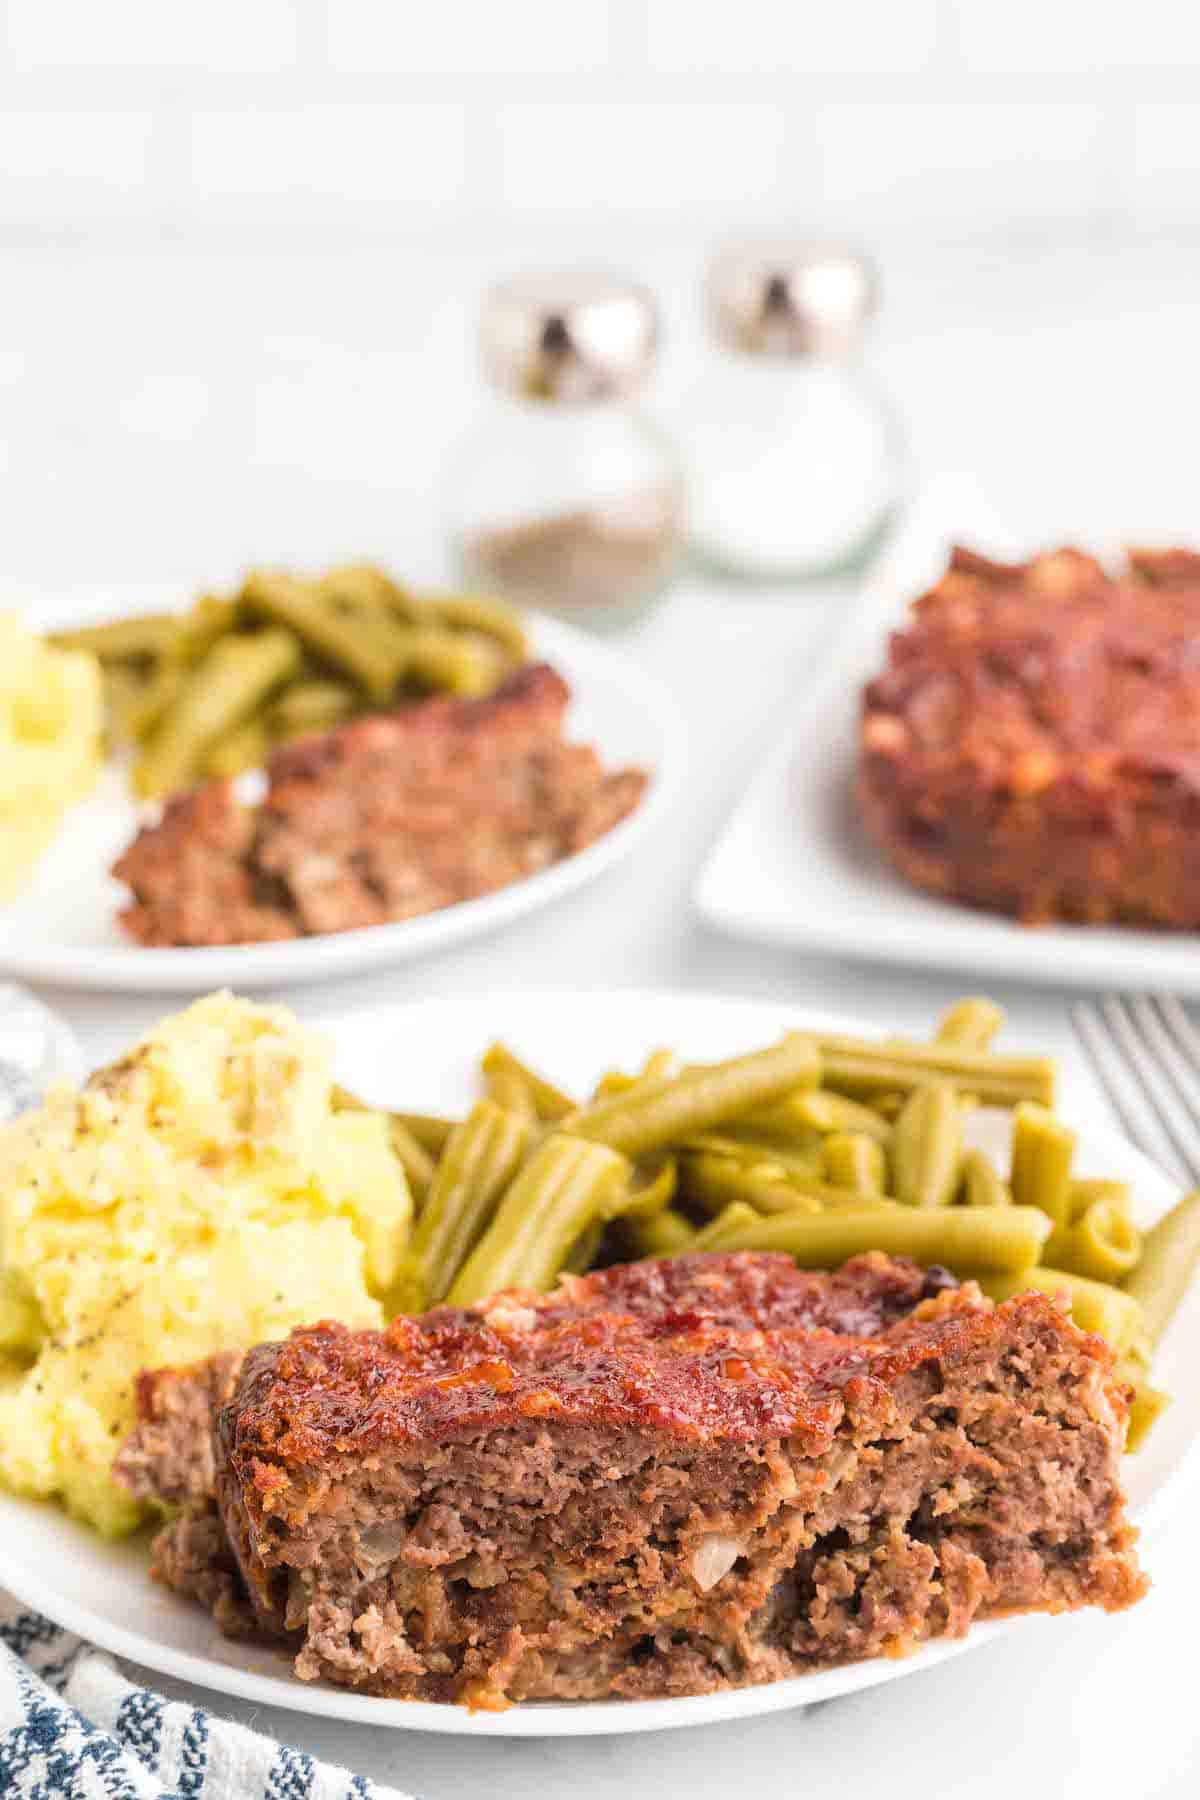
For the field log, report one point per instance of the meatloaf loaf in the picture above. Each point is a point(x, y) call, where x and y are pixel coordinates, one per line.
point(664, 1478)
point(1033, 745)
point(385, 818)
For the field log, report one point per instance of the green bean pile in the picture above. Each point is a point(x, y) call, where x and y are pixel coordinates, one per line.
point(822, 1146)
point(212, 691)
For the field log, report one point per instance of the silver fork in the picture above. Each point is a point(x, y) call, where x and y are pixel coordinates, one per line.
point(1145, 1053)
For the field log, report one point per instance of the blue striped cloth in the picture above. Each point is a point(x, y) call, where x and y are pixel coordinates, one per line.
point(72, 1727)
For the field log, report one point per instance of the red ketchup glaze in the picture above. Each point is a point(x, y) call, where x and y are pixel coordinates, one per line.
point(703, 1349)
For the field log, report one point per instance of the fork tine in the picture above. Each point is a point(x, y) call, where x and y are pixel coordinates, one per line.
point(1110, 1071)
point(1182, 1074)
point(1155, 1085)
point(1181, 1028)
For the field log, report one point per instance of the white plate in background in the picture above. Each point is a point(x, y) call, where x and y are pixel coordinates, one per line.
point(62, 926)
point(423, 1056)
point(793, 866)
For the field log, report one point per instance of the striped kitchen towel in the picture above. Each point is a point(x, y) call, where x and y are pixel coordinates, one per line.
point(72, 1727)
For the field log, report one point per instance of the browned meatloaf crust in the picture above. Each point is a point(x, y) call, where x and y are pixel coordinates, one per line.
point(665, 1478)
point(1033, 745)
point(385, 818)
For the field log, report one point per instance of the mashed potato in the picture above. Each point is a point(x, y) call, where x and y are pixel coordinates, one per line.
point(200, 1195)
point(51, 721)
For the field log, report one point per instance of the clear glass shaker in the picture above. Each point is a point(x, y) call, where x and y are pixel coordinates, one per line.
point(793, 460)
point(561, 496)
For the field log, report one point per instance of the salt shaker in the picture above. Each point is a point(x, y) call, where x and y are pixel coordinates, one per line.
point(562, 496)
point(792, 458)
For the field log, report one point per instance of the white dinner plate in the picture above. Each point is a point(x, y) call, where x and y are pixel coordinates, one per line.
point(793, 866)
point(62, 926)
point(424, 1055)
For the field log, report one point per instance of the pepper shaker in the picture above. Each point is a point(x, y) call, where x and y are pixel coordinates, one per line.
point(562, 496)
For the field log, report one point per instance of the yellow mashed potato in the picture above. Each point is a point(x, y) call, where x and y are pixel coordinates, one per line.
point(200, 1195)
point(51, 723)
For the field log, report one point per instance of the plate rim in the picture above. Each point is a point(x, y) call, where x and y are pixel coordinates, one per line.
point(585, 1718)
point(130, 968)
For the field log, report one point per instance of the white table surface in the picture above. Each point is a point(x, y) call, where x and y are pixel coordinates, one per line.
point(176, 416)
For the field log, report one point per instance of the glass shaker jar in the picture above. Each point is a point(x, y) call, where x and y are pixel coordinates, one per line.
point(792, 459)
point(561, 496)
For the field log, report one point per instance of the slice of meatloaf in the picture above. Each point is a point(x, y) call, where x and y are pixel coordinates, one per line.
point(385, 818)
point(1033, 744)
point(668, 1478)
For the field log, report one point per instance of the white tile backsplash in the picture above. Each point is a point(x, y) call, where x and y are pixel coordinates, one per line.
point(764, 37)
point(360, 120)
point(951, 162)
point(460, 37)
point(278, 163)
point(208, 36)
point(1075, 37)
point(75, 167)
point(1163, 179)
point(638, 157)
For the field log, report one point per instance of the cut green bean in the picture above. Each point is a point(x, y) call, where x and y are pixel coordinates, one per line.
point(1170, 1254)
point(479, 1162)
point(729, 1222)
point(1102, 1242)
point(199, 628)
point(981, 1182)
point(311, 706)
point(471, 612)
point(583, 1250)
point(431, 1130)
point(139, 637)
point(245, 747)
point(971, 1023)
point(144, 711)
point(657, 1066)
point(652, 1192)
point(730, 1142)
point(566, 1185)
point(283, 600)
point(1146, 1405)
point(235, 677)
point(862, 1069)
point(666, 1234)
point(816, 1109)
point(1042, 1152)
point(550, 1102)
point(927, 1146)
point(854, 1160)
point(1083, 1193)
point(414, 1159)
point(713, 1182)
point(447, 661)
point(1001, 1238)
point(1095, 1306)
point(664, 1112)
point(511, 1091)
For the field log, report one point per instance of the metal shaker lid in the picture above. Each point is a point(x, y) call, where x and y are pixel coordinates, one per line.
point(791, 299)
point(570, 337)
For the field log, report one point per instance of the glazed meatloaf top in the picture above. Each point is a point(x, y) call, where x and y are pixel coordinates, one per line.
point(660, 1479)
point(1047, 670)
point(385, 818)
point(169, 1456)
point(734, 1349)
